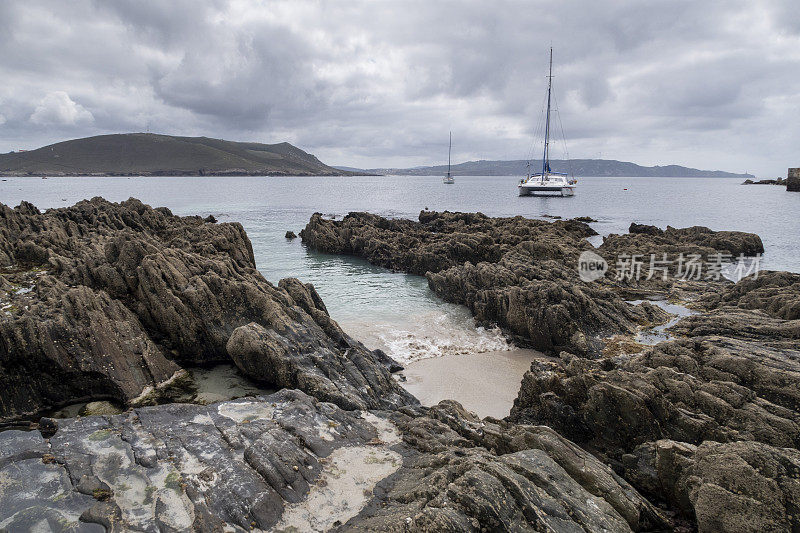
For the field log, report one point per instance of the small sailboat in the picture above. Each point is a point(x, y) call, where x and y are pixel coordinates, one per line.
point(448, 178)
point(547, 182)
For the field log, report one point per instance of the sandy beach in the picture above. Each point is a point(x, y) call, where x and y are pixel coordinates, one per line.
point(484, 383)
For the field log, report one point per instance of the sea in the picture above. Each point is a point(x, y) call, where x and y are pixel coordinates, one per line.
point(398, 312)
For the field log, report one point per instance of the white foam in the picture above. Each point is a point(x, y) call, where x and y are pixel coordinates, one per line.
point(446, 331)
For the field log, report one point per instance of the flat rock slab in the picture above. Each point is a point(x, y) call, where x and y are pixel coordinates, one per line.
point(236, 464)
point(287, 462)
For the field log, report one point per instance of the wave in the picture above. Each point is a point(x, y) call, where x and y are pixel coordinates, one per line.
point(431, 334)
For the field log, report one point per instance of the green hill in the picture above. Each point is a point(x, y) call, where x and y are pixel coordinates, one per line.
point(149, 154)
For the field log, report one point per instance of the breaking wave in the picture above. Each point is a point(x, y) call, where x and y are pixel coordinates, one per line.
point(449, 330)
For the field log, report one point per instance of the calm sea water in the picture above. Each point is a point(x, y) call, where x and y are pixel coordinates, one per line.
point(398, 312)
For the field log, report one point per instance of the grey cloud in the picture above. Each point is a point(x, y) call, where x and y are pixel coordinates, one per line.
point(381, 83)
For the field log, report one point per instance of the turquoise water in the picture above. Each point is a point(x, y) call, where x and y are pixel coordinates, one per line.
point(398, 312)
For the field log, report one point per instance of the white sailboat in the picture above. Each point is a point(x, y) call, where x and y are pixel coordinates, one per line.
point(448, 178)
point(547, 182)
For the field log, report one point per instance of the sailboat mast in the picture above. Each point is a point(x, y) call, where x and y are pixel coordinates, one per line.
point(449, 148)
point(546, 155)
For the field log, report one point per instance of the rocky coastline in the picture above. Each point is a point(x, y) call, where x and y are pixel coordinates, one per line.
point(114, 301)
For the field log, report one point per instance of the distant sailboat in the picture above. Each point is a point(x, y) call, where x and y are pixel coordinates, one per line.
point(547, 182)
point(448, 178)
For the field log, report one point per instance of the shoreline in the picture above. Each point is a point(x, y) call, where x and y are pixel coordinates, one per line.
point(485, 383)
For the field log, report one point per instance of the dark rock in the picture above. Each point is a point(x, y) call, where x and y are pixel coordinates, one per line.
point(644, 228)
point(689, 390)
point(793, 180)
point(777, 181)
point(708, 423)
point(288, 462)
point(737, 486)
point(291, 235)
point(775, 293)
point(519, 273)
point(125, 294)
point(585, 219)
point(646, 240)
point(210, 219)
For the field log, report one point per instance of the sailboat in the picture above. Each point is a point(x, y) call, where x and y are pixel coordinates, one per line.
point(547, 182)
point(448, 178)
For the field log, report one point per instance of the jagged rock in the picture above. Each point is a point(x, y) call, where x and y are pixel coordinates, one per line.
point(107, 300)
point(775, 293)
point(291, 235)
point(793, 180)
point(689, 390)
point(538, 299)
point(288, 462)
point(708, 423)
point(646, 240)
point(520, 273)
point(63, 345)
point(465, 474)
point(644, 228)
point(210, 219)
point(738, 486)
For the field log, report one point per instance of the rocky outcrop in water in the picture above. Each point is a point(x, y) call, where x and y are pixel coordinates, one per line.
point(520, 273)
point(104, 300)
point(793, 180)
point(646, 240)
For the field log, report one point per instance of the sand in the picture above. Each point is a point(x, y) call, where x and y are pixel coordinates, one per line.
point(484, 383)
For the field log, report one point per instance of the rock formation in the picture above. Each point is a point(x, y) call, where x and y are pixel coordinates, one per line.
point(520, 273)
point(291, 463)
point(793, 180)
point(104, 300)
point(709, 422)
point(111, 301)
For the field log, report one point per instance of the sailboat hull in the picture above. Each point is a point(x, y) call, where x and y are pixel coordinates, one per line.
point(545, 190)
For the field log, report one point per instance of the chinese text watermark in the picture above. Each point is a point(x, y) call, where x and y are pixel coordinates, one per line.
point(687, 267)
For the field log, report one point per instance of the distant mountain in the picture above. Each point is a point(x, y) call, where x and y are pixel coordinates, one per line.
point(580, 167)
point(149, 154)
point(349, 169)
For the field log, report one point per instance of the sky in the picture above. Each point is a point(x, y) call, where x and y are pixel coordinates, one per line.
point(708, 84)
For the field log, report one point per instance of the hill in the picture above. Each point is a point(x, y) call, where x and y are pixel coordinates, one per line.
point(580, 167)
point(149, 154)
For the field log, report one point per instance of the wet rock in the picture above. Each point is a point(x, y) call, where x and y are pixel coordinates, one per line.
point(514, 272)
point(126, 294)
point(100, 408)
point(464, 474)
point(288, 462)
point(175, 467)
point(210, 219)
point(291, 235)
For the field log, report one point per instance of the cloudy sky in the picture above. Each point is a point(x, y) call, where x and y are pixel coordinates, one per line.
point(708, 84)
